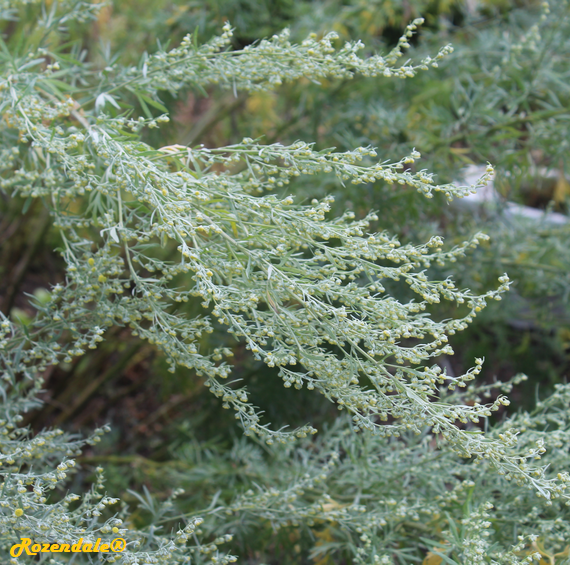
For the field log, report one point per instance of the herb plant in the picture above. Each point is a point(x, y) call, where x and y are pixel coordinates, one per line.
point(174, 241)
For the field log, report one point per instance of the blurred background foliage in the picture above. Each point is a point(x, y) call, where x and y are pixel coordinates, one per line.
point(502, 97)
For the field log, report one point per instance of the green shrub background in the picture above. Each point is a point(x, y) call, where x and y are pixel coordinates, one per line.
point(172, 454)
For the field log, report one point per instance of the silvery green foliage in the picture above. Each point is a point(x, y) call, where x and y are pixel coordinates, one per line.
point(34, 465)
point(501, 96)
point(367, 497)
point(304, 291)
point(384, 500)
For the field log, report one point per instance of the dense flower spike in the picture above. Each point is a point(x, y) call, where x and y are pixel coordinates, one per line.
point(305, 292)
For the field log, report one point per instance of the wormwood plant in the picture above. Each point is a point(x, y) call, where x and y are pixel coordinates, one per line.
point(384, 500)
point(146, 229)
